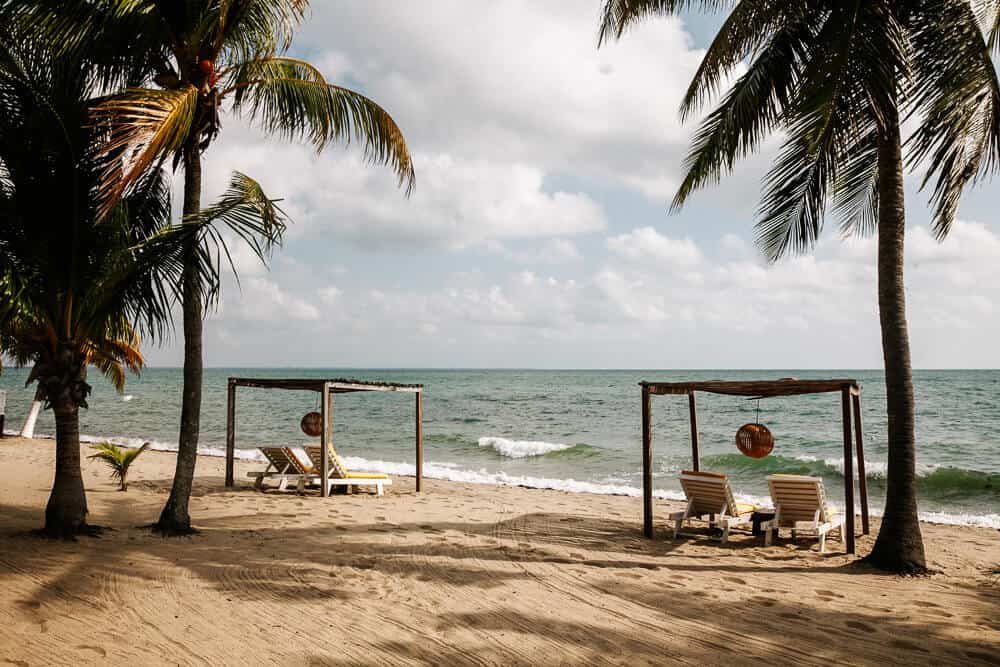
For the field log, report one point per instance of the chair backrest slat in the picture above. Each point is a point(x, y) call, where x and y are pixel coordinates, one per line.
point(708, 493)
point(799, 498)
point(337, 468)
point(283, 459)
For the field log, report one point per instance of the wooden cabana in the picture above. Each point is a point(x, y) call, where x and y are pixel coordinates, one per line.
point(850, 402)
point(326, 388)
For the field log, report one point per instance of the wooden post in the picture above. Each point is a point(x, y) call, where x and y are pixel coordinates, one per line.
point(326, 405)
point(845, 403)
point(695, 458)
point(230, 432)
point(420, 440)
point(859, 442)
point(647, 465)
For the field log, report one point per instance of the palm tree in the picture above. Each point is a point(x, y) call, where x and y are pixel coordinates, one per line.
point(118, 459)
point(835, 77)
point(199, 57)
point(75, 293)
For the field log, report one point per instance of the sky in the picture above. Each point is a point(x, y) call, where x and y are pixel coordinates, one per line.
point(538, 234)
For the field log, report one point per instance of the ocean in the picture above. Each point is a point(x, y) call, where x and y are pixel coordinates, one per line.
point(577, 431)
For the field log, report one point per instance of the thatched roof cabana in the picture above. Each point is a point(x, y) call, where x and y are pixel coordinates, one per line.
point(327, 388)
point(850, 393)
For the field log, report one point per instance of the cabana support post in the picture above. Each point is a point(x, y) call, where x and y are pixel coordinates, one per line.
point(849, 390)
point(324, 453)
point(326, 389)
point(420, 440)
point(695, 456)
point(845, 403)
point(862, 477)
point(647, 464)
point(230, 430)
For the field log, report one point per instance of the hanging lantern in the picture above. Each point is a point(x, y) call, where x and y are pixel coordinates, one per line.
point(754, 440)
point(312, 424)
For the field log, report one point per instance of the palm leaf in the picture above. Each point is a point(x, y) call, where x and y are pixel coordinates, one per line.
point(619, 15)
point(145, 126)
point(291, 99)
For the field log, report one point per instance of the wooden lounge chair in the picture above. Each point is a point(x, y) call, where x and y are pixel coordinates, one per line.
point(341, 476)
point(283, 464)
point(709, 494)
point(800, 504)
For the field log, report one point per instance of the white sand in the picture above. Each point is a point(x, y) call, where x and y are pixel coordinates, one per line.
point(461, 574)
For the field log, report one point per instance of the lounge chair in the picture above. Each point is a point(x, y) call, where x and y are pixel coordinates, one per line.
point(709, 494)
point(340, 475)
point(283, 464)
point(800, 504)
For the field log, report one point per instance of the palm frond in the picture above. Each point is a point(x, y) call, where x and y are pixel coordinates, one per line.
point(144, 126)
point(291, 99)
point(753, 107)
point(118, 459)
point(619, 15)
point(855, 189)
point(247, 212)
point(956, 100)
point(745, 30)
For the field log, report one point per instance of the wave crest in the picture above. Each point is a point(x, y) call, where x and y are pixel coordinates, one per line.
point(519, 449)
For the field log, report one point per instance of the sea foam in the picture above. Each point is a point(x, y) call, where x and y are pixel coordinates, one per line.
point(453, 472)
point(519, 449)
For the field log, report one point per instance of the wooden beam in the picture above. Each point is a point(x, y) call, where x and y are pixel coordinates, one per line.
point(647, 465)
point(326, 406)
point(845, 403)
point(695, 458)
point(230, 432)
point(859, 442)
point(420, 440)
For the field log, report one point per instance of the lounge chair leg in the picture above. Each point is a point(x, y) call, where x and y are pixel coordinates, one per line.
point(259, 483)
point(822, 543)
point(379, 489)
point(283, 484)
point(768, 535)
point(677, 528)
point(301, 486)
point(725, 532)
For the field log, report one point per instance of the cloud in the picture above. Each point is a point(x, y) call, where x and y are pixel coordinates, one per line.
point(647, 245)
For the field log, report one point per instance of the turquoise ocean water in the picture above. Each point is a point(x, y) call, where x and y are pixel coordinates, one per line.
point(579, 430)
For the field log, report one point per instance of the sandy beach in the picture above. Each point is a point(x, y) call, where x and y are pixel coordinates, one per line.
point(459, 574)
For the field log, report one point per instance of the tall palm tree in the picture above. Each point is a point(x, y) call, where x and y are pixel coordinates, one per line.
point(201, 57)
point(75, 292)
point(835, 77)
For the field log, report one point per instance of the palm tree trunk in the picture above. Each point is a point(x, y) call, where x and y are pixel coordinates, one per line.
point(899, 546)
point(66, 512)
point(175, 519)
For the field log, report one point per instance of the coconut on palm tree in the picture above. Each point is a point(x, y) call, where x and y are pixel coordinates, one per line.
point(187, 62)
point(834, 78)
point(75, 292)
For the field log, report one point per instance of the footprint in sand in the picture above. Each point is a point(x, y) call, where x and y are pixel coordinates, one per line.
point(908, 645)
point(96, 649)
point(863, 627)
point(735, 580)
point(11, 661)
point(828, 595)
point(924, 603)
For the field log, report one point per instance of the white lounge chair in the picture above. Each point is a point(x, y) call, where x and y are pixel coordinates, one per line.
point(340, 475)
point(709, 494)
point(284, 465)
point(800, 504)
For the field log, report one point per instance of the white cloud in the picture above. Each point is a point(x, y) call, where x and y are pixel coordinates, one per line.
point(647, 245)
